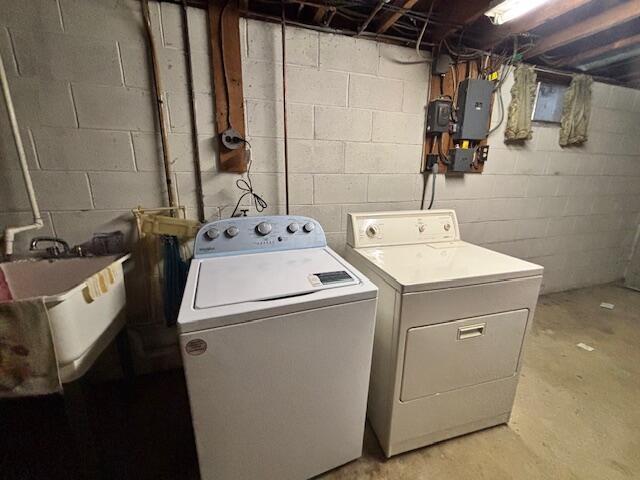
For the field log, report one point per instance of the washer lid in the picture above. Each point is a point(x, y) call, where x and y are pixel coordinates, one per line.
point(430, 266)
point(267, 276)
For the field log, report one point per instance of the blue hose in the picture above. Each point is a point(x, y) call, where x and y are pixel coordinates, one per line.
point(175, 278)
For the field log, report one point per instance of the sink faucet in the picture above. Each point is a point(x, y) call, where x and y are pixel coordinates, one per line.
point(54, 250)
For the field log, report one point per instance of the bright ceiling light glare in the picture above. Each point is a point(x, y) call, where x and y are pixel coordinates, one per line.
point(503, 12)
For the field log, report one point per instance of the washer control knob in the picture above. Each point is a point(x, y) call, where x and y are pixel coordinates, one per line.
point(372, 231)
point(212, 234)
point(293, 227)
point(422, 227)
point(231, 231)
point(309, 227)
point(447, 227)
point(263, 228)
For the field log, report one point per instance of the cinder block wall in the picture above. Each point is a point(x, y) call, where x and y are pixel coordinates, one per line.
point(81, 82)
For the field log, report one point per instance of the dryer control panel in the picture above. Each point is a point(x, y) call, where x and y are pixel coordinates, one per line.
point(258, 234)
point(402, 228)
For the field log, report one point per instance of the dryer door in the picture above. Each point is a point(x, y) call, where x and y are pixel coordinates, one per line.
point(448, 356)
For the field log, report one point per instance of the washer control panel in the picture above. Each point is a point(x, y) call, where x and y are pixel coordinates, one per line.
point(402, 228)
point(258, 234)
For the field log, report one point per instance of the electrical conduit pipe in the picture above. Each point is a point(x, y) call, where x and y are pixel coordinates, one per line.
point(10, 232)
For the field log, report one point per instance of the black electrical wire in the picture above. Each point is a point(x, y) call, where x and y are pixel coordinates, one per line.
point(246, 186)
point(224, 66)
point(433, 188)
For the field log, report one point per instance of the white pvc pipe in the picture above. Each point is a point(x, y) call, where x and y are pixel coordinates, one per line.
point(10, 232)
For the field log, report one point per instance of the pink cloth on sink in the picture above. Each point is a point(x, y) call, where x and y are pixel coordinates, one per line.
point(5, 291)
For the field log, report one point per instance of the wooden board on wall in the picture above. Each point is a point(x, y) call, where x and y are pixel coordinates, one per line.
point(463, 70)
point(226, 68)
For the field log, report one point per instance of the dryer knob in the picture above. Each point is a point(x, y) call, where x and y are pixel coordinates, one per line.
point(263, 228)
point(293, 227)
point(232, 231)
point(309, 227)
point(212, 234)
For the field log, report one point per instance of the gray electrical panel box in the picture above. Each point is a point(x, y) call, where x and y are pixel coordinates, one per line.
point(438, 114)
point(474, 109)
point(460, 159)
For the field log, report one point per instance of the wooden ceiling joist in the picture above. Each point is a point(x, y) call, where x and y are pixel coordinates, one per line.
point(580, 58)
point(393, 17)
point(531, 20)
point(610, 18)
point(460, 14)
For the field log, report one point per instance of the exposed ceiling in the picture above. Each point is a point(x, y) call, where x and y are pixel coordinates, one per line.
point(599, 37)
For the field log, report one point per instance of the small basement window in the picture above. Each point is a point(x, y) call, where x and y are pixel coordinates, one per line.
point(548, 103)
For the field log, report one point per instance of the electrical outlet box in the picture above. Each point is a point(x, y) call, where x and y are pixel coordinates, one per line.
point(483, 153)
point(438, 114)
point(474, 109)
point(460, 159)
point(432, 159)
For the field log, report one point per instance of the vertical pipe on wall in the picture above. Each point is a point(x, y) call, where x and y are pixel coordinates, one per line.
point(162, 111)
point(10, 232)
point(284, 113)
point(192, 109)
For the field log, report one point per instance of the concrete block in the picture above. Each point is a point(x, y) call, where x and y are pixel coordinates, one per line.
point(382, 158)
point(264, 43)
point(9, 154)
point(34, 15)
point(307, 85)
point(501, 161)
point(73, 149)
point(80, 226)
point(390, 64)
point(148, 152)
point(342, 124)
point(562, 163)
point(40, 103)
point(600, 94)
point(414, 97)
point(578, 206)
point(397, 128)
point(316, 156)
point(391, 188)
point(339, 188)
point(264, 119)
point(171, 17)
point(466, 210)
point(545, 139)
point(180, 112)
point(619, 98)
point(301, 189)
point(261, 80)
point(115, 190)
point(375, 93)
point(67, 57)
point(510, 186)
point(22, 240)
point(337, 242)
point(530, 164)
point(329, 216)
point(219, 189)
point(507, 209)
point(59, 190)
point(542, 186)
point(114, 108)
point(349, 54)
point(267, 154)
point(109, 19)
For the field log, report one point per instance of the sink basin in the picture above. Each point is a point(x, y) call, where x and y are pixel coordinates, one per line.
point(82, 323)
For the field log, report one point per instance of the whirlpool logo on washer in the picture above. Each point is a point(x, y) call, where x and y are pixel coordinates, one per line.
point(196, 347)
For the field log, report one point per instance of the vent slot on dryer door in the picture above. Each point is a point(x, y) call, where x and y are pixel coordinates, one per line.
point(448, 356)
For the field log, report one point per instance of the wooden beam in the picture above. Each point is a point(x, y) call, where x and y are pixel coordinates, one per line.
point(597, 52)
point(319, 15)
point(226, 69)
point(460, 13)
point(528, 22)
point(393, 17)
point(610, 18)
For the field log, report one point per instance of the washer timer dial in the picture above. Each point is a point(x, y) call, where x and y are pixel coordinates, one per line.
point(263, 228)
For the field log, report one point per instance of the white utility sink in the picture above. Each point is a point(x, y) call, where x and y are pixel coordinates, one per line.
point(82, 324)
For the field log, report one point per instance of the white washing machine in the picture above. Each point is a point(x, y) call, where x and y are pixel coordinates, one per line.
point(276, 334)
point(450, 325)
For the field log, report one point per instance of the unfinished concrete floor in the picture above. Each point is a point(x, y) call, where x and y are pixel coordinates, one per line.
point(576, 415)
